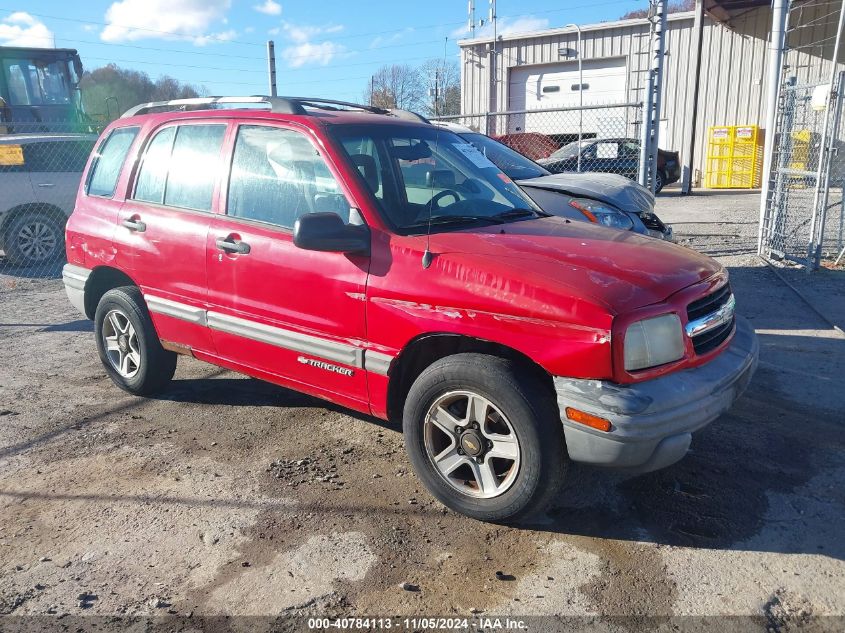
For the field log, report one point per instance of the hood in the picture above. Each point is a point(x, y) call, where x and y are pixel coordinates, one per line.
point(621, 192)
point(618, 270)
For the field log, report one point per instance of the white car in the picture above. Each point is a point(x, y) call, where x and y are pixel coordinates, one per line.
point(39, 178)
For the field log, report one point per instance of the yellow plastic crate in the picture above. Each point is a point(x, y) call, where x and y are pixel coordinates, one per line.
point(734, 157)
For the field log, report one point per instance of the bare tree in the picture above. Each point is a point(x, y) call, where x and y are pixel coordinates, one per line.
point(445, 77)
point(397, 86)
point(674, 7)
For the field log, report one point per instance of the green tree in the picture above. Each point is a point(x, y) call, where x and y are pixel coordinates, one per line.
point(109, 91)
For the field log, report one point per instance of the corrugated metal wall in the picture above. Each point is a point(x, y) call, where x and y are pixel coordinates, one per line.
point(732, 89)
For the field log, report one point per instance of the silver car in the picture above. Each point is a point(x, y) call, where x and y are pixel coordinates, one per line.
point(39, 178)
point(608, 199)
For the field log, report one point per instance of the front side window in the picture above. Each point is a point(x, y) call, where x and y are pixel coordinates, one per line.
point(278, 175)
point(109, 160)
point(57, 156)
point(433, 174)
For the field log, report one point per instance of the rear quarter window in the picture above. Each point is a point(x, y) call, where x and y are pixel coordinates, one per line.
point(108, 162)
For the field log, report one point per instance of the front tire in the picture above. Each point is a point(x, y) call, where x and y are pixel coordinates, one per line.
point(485, 437)
point(128, 345)
point(659, 181)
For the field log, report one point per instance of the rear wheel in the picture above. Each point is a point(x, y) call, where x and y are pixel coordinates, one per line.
point(485, 438)
point(128, 344)
point(33, 238)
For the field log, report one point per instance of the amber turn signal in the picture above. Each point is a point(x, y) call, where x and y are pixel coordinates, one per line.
point(587, 419)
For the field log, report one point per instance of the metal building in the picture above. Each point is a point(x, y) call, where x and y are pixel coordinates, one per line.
point(722, 51)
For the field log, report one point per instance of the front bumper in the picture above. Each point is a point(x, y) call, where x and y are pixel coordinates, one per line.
point(652, 421)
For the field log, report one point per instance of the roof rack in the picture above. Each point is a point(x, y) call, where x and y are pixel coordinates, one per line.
point(279, 105)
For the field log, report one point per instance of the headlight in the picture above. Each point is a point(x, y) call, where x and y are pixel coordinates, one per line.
point(653, 342)
point(600, 213)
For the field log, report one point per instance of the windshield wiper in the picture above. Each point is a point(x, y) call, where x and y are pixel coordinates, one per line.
point(515, 214)
point(453, 219)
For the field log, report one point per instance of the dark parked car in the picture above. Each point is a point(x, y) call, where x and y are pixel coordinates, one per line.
point(607, 199)
point(615, 156)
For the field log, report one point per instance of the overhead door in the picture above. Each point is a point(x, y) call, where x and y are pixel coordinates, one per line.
point(546, 86)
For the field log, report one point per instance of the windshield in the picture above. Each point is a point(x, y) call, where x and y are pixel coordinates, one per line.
point(36, 82)
point(569, 151)
point(422, 173)
point(514, 164)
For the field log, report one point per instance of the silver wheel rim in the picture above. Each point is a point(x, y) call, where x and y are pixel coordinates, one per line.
point(454, 425)
point(37, 240)
point(121, 344)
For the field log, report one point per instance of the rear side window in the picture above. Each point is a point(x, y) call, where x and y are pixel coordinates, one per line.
point(193, 166)
point(108, 162)
point(153, 174)
point(180, 167)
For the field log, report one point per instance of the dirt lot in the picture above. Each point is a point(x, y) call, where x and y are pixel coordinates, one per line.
point(228, 496)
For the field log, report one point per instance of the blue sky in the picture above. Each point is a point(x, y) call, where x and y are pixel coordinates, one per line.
point(327, 48)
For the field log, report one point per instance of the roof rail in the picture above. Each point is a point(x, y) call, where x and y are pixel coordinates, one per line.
point(408, 115)
point(280, 105)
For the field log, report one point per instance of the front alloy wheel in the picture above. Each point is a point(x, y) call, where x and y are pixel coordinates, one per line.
point(484, 436)
point(472, 444)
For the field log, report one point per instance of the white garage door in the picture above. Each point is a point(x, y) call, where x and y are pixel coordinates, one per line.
point(556, 85)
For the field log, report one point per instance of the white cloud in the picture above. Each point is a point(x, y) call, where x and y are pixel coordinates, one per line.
point(381, 40)
point(192, 20)
point(304, 52)
point(21, 29)
point(269, 8)
point(320, 54)
point(505, 26)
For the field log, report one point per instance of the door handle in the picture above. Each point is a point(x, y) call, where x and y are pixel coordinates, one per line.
point(46, 185)
point(134, 224)
point(232, 245)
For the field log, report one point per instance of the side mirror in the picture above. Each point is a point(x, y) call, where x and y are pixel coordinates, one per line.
point(327, 232)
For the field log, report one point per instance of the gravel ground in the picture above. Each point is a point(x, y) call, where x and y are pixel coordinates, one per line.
point(229, 496)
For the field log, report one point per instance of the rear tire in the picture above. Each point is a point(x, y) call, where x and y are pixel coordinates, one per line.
point(128, 344)
point(34, 238)
point(492, 402)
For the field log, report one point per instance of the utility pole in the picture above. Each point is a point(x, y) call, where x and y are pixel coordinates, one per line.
point(494, 64)
point(436, 90)
point(653, 93)
point(774, 63)
point(471, 18)
point(271, 66)
point(580, 94)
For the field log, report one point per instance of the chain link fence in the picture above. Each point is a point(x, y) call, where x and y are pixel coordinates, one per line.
point(603, 138)
point(803, 220)
point(40, 170)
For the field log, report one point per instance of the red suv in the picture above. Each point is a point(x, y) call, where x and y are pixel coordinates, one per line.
point(388, 266)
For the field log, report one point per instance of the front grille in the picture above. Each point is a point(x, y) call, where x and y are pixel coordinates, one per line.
point(711, 339)
point(708, 304)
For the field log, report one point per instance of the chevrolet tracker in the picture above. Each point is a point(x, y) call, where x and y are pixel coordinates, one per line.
point(387, 266)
